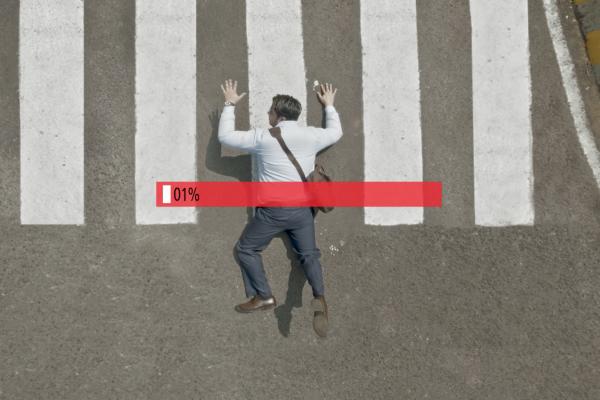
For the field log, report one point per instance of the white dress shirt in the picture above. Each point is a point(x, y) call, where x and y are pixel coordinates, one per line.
point(273, 165)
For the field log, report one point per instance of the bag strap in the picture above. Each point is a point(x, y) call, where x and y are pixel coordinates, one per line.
point(276, 133)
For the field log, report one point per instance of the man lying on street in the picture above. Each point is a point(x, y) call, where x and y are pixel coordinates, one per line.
point(273, 165)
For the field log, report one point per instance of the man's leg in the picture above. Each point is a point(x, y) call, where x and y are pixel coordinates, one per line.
point(302, 237)
point(256, 236)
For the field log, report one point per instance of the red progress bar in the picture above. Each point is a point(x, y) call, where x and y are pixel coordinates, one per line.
point(298, 194)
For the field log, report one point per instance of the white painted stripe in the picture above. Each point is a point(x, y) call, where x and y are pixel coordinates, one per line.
point(51, 111)
point(502, 136)
point(275, 58)
point(391, 102)
point(165, 102)
point(565, 63)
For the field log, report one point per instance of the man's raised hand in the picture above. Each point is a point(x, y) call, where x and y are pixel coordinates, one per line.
point(327, 94)
point(229, 89)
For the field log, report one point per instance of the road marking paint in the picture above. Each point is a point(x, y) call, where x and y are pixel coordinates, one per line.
point(502, 131)
point(567, 71)
point(51, 111)
point(391, 102)
point(165, 104)
point(275, 58)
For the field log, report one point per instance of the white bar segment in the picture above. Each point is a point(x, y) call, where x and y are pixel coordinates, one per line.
point(165, 99)
point(166, 194)
point(391, 102)
point(51, 111)
point(502, 133)
point(275, 58)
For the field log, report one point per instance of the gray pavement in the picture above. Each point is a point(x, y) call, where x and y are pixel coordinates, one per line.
point(445, 310)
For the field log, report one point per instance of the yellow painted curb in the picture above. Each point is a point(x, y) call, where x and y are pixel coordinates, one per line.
point(593, 46)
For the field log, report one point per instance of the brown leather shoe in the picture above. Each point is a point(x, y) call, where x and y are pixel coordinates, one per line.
point(320, 318)
point(255, 304)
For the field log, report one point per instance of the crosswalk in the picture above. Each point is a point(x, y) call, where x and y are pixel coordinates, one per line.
point(275, 58)
point(502, 136)
point(165, 99)
point(51, 113)
point(52, 118)
point(391, 98)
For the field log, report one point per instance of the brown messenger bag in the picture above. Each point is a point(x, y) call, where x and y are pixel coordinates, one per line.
point(317, 175)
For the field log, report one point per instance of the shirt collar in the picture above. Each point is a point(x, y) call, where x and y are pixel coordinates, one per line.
point(287, 122)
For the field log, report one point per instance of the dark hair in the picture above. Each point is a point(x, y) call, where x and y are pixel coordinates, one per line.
point(287, 106)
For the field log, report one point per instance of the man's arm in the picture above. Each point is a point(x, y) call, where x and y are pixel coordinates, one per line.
point(333, 127)
point(241, 140)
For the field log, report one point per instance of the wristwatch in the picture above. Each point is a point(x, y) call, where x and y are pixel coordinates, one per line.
point(229, 103)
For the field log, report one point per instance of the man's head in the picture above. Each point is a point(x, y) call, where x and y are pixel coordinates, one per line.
point(284, 107)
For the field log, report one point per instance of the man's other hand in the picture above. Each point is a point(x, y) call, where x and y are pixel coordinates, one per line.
point(327, 94)
point(229, 89)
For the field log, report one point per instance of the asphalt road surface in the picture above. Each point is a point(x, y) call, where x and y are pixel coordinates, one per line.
point(443, 309)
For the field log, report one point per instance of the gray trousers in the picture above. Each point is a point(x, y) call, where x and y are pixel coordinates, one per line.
point(298, 223)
